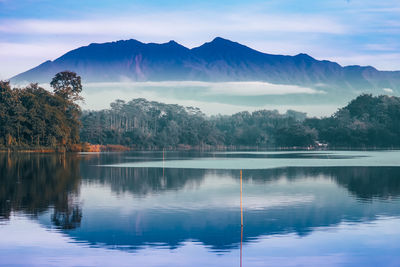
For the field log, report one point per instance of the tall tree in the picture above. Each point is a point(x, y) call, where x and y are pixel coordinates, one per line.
point(67, 84)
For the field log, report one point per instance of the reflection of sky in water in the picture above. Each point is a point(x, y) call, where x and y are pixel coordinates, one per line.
point(215, 192)
point(296, 216)
point(41, 247)
point(214, 98)
point(319, 159)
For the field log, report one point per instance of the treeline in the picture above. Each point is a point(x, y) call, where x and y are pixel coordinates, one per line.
point(153, 125)
point(32, 117)
point(366, 122)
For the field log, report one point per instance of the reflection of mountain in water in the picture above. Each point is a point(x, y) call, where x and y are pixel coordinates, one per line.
point(148, 206)
point(219, 227)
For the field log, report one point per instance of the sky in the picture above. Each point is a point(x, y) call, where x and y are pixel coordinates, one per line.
point(350, 32)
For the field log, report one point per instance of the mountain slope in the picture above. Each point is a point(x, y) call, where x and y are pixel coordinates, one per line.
point(218, 60)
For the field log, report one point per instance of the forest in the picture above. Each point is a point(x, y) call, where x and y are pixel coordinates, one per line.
point(366, 122)
point(32, 118)
point(153, 125)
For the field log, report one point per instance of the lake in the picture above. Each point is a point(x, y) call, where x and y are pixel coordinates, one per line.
point(300, 208)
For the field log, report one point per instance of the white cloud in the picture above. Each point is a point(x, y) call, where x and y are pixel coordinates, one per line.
point(18, 57)
point(252, 88)
point(382, 47)
point(177, 24)
point(258, 88)
point(33, 50)
point(99, 95)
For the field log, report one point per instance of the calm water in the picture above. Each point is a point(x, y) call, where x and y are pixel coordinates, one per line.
point(136, 209)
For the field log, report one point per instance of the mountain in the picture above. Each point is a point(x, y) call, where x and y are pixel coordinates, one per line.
point(218, 60)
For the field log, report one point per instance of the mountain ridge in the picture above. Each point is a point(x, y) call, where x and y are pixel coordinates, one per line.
point(216, 61)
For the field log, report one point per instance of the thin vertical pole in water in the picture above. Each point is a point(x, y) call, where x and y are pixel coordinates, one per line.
point(241, 219)
point(241, 207)
point(163, 162)
point(241, 241)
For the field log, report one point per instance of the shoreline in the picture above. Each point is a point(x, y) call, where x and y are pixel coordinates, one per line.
point(119, 148)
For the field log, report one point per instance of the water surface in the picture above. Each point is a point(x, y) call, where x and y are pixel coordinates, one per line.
point(143, 209)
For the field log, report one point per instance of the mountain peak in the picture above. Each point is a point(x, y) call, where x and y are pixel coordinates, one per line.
point(220, 40)
point(221, 45)
point(304, 56)
point(173, 44)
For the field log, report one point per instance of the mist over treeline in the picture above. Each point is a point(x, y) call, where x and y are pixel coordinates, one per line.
point(33, 117)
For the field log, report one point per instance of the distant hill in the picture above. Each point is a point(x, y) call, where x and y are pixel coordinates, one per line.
point(218, 60)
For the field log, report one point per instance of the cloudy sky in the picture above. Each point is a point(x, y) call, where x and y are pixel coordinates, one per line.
point(361, 32)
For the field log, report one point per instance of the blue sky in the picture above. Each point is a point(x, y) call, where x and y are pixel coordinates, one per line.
point(350, 32)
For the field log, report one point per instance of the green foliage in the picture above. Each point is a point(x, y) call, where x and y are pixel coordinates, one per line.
point(35, 117)
point(148, 125)
point(67, 85)
point(366, 121)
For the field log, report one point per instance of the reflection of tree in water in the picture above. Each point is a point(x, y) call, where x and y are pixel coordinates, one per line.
point(31, 183)
point(68, 219)
point(363, 182)
point(143, 181)
point(370, 182)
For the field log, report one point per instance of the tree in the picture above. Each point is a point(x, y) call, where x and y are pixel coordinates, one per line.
point(34, 117)
point(67, 85)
